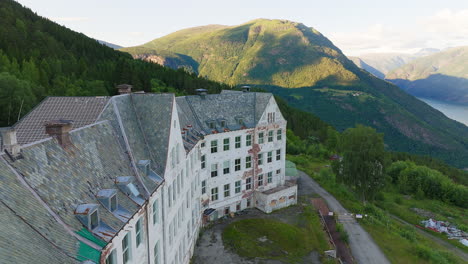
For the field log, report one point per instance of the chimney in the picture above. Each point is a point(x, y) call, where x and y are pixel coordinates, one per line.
point(245, 89)
point(60, 129)
point(202, 93)
point(124, 88)
point(9, 142)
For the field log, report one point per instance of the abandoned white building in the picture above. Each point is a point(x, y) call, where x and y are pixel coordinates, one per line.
point(132, 178)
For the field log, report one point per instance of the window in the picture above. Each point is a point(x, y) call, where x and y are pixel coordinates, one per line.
point(238, 187)
point(214, 170)
point(138, 231)
point(270, 136)
point(238, 142)
point(156, 253)
point(226, 144)
point(279, 134)
point(173, 157)
point(260, 138)
point(270, 157)
point(214, 194)
point(271, 117)
point(237, 164)
point(202, 144)
point(270, 177)
point(260, 179)
point(126, 249)
point(260, 158)
point(248, 183)
point(240, 121)
point(203, 187)
point(222, 123)
point(248, 140)
point(214, 146)
point(155, 212)
point(226, 166)
point(227, 191)
point(249, 202)
point(169, 196)
point(238, 206)
point(203, 161)
point(226, 210)
point(248, 162)
point(278, 154)
point(112, 258)
point(113, 203)
point(211, 125)
point(278, 171)
point(94, 220)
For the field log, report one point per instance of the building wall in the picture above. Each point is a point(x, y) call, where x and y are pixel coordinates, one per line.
point(180, 201)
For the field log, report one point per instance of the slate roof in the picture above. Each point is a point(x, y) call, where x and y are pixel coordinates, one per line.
point(198, 111)
point(82, 110)
point(113, 137)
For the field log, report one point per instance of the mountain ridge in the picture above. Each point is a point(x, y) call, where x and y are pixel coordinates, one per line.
point(305, 68)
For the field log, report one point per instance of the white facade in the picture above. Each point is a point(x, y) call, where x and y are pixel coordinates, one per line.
point(223, 171)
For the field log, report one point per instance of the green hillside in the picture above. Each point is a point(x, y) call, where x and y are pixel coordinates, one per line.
point(279, 54)
point(39, 58)
point(442, 76)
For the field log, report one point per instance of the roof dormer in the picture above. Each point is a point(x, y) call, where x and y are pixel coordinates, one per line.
point(88, 215)
point(127, 185)
point(108, 197)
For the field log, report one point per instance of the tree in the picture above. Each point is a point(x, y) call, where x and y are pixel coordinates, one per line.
point(362, 164)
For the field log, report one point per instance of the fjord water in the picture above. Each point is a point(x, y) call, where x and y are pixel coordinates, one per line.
point(457, 112)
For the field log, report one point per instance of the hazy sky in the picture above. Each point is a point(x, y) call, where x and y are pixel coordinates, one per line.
point(355, 26)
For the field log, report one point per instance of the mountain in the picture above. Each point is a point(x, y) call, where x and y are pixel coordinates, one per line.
point(110, 45)
point(305, 68)
point(40, 58)
point(363, 65)
point(383, 62)
point(441, 76)
point(380, 64)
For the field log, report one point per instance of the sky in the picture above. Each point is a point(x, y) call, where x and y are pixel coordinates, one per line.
point(355, 26)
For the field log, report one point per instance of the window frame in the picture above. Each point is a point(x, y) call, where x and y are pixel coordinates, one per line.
point(214, 173)
point(248, 183)
point(270, 136)
point(248, 140)
point(238, 187)
point(270, 177)
point(214, 146)
point(237, 142)
point(278, 154)
point(227, 191)
point(237, 164)
point(260, 180)
point(279, 134)
point(248, 162)
point(226, 144)
point(138, 232)
point(261, 138)
point(214, 194)
point(127, 248)
point(269, 156)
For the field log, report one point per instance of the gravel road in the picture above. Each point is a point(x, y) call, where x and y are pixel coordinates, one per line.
point(363, 248)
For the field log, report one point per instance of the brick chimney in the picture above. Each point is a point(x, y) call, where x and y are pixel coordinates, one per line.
point(9, 142)
point(124, 88)
point(60, 129)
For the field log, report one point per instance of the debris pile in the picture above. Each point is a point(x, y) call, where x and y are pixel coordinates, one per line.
point(445, 227)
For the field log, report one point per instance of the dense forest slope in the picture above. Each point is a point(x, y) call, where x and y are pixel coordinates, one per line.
point(441, 76)
point(39, 58)
point(279, 54)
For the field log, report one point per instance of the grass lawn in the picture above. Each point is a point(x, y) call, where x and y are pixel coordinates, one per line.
point(401, 244)
point(272, 239)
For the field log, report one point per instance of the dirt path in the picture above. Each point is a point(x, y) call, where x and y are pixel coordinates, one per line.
point(364, 249)
point(439, 241)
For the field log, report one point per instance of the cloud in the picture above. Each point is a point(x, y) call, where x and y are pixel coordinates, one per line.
point(70, 19)
point(446, 28)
